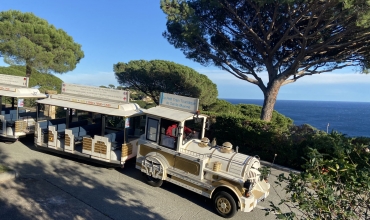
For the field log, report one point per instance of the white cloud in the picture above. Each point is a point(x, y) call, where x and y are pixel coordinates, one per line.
point(221, 77)
point(336, 78)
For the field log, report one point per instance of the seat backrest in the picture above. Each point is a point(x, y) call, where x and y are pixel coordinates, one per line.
point(82, 133)
point(8, 117)
point(114, 135)
point(43, 124)
point(78, 123)
point(13, 112)
point(75, 130)
point(61, 127)
point(83, 129)
point(109, 136)
point(57, 121)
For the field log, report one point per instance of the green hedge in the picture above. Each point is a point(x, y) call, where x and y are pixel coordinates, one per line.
point(290, 143)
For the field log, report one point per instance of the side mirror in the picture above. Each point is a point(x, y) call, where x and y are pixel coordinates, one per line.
point(197, 120)
point(208, 124)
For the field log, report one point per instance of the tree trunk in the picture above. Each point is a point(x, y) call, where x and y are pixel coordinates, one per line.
point(270, 96)
point(28, 70)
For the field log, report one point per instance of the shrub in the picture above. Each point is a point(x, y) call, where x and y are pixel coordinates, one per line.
point(334, 183)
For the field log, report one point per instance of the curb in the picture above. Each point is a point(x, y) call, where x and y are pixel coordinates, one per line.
point(7, 176)
point(265, 163)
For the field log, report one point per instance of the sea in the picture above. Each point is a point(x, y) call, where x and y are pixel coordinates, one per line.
point(349, 118)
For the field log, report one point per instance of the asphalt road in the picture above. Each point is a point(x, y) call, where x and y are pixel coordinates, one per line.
point(52, 186)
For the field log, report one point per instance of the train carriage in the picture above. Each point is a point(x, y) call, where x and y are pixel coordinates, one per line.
point(17, 120)
point(92, 122)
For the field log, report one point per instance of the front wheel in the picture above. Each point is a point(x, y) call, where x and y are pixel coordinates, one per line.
point(224, 204)
point(153, 181)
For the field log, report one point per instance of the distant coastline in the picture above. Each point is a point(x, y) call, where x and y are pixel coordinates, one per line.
point(261, 100)
point(350, 118)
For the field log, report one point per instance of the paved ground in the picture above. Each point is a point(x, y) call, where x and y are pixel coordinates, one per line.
point(51, 186)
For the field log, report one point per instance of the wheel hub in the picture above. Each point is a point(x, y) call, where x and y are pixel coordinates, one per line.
point(223, 205)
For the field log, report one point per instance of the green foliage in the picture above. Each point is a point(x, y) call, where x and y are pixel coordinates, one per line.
point(26, 39)
point(155, 76)
point(42, 81)
point(249, 111)
point(222, 106)
point(144, 104)
point(335, 183)
point(287, 39)
point(136, 95)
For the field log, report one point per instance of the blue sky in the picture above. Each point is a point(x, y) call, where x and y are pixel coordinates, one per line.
point(121, 30)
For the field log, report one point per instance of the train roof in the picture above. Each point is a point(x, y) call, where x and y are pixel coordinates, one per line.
point(123, 110)
point(169, 113)
point(21, 92)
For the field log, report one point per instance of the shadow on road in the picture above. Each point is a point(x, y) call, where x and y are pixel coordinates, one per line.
point(131, 171)
point(59, 189)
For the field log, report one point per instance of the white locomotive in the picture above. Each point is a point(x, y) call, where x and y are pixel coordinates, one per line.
point(174, 149)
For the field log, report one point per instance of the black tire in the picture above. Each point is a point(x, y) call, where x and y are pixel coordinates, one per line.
point(224, 204)
point(153, 181)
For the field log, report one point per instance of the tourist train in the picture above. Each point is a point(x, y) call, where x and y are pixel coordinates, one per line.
point(168, 142)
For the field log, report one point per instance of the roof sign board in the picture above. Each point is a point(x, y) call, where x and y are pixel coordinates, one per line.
point(11, 83)
point(86, 100)
point(179, 102)
point(96, 92)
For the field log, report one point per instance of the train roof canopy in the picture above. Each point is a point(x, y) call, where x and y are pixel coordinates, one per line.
point(123, 110)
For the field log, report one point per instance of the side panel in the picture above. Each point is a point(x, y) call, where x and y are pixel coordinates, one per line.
point(101, 147)
point(187, 166)
point(129, 150)
point(175, 161)
point(87, 145)
point(39, 135)
point(52, 137)
point(69, 141)
point(144, 150)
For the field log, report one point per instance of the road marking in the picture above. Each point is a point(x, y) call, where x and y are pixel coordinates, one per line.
point(261, 207)
point(265, 209)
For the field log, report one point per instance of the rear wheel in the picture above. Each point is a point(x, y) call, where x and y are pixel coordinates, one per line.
point(224, 204)
point(153, 181)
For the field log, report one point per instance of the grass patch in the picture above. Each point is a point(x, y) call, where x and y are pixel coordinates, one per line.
point(4, 169)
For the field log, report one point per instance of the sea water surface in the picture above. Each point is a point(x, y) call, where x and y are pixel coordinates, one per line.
point(350, 118)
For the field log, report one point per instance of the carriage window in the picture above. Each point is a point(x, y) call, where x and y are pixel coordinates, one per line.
point(193, 128)
point(169, 133)
point(152, 129)
point(135, 126)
